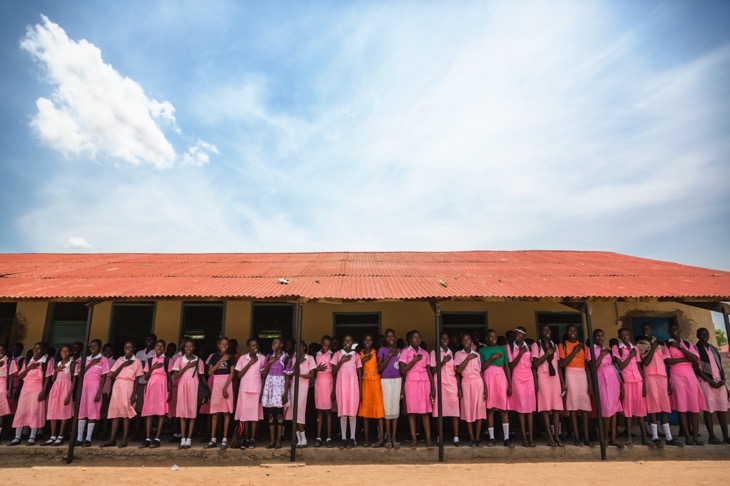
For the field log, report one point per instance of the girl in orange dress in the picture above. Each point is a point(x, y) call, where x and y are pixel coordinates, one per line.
point(371, 401)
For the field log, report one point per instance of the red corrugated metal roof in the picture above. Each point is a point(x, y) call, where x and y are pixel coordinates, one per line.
point(354, 276)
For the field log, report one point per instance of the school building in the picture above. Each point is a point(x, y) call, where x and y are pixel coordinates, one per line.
point(44, 297)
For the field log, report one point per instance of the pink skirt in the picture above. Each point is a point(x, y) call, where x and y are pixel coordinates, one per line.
point(657, 394)
point(549, 394)
point(610, 389)
point(686, 393)
point(249, 409)
point(323, 391)
point(4, 404)
point(90, 409)
point(155, 396)
point(218, 403)
point(418, 396)
point(347, 392)
point(449, 401)
point(301, 402)
point(523, 399)
point(120, 404)
point(715, 398)
point(473, 406)
point(634, 404)
point(496, 388)
point(30, 412)
point(57, 410)
point(577, 397)
point(187, 398)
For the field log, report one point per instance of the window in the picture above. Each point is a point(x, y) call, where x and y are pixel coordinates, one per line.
point(357, 325)
point(559, 322)
point(456, 323)
point(68, 324)
point(130, 322)
point(271, 321)
point(203, 323)
point(7, 316)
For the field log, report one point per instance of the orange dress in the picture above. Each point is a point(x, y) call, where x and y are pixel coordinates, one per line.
point(371, 401)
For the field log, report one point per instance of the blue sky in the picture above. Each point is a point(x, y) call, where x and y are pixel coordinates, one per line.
point(313, 126)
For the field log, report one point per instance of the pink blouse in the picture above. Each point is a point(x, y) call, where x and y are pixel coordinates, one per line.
point(473, 370)
point(128, 372)
point(630, 373)
point(418, 371)
point(251, 381)
point(683, 369)
point(448, 372)
point(353, 364)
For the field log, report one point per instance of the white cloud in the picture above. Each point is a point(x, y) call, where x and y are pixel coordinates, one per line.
point(76, 243)
point(198, 154)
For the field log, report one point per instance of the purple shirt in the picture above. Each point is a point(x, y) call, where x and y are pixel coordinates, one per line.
point(392, 369)
point(277, 368)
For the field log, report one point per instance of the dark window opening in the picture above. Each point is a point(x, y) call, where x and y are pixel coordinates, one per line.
point(271, 321)
point(130, 322)
point(7, 317)
point(358, 325)
point(203, 323)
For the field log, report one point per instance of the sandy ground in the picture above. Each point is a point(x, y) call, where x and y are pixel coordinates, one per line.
point(667, 472)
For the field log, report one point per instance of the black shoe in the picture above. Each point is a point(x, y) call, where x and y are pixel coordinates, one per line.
point(210, 445)
point(87, 443)
point(318, 442)
point(49, 442)
point(252, 444)
point(14, 442)
point(328, 443)
point(491, 443)
point(457, 443)
point(343, 444)
point(145, 444)
point(78, 443)
point(351, 443)
point(155, 444)
point(508, 443)
point(674, 442)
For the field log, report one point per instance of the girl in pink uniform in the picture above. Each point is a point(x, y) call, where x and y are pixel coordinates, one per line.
point(157, 393)
point(450, 388)
point(125, 372)
point(473, 397)
point(97, 369)
point(347, 377)
point(249, 409)
point(306, 372)
point(550, 385)
point(323, 390)
point(609, 388)
point(32, 401)
point(8, 369)
point(712, 381)
point(221, 393)
point(686, 397)
point(419, 389)
point(188, 370)
point(626, 357)
point(106, 392)
point(60, 404)
point(498, 382)
point(578, 384)
point(522, 400)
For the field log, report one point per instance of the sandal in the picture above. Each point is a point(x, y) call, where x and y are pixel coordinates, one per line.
point(328, 443)
point(48, 442)
point(396, 445)
point(224, 444)
point(210, 445)
point(155, 444)
point(58, 442)
point(271, 446)
point(122, 444)
point(414, 444)
point(577, 443)
point(388, 445)
point(552, 444)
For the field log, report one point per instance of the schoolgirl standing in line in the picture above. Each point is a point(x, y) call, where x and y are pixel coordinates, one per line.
point(273, 396)
point(306, 372)
point(323, 391)
point(498, 384)
point(188, 370)
point(347, 376)
point(125, 372)
point(106, 392)
point(578, 384)
point(32, 401)
point(60, 404)
point(249, 409)
point(8, 369)
point(626, 356)
point(524, 379)
point(712, 381)
point(17, 356)
point(157, 394)
point(221, 393)
point(473, 396)
point(450, 394)
point(391, 383)
point(95, 375)
point(609, 388)
point(419, 389)
point(371, 400)
point(550, 385)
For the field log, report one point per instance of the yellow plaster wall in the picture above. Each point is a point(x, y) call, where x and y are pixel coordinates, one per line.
point(34, 314)
point(168, 316)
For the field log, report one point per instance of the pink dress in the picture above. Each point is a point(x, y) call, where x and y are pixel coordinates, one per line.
point(323, 383)
point(657, 392)
point(634, 403)
point(716, 399)
point(450, 388)
point(609, 386)
point(156, 392)
point(32, 412)
point(417, 386)
point(549, 392)
point(8, 368)
point(57, 409)
point(219, 403)
point(686, 392)
point(186, 405)
point(120, 403)
point(308, 365)
point(473, 405)
point(523, 399)
point(13, 401)
point(347, 385)
point(91, 409)
point(249, 408)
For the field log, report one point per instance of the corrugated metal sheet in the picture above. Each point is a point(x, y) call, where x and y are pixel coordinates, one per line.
point(354, 276)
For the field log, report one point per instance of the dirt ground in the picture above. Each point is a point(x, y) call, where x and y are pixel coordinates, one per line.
point(675, 472)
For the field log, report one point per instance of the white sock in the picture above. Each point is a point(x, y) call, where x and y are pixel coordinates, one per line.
point(505, 431)
point(304, 438)
point(33, 432)
point(213, 440)
point(18, 433)
point(343, 427)
point(80, 431)
point(667, 432)
point(52, 438)
point(491, 432)
point(353, 421)
point(299, 438)
point(654, 432)
point(89, 431)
